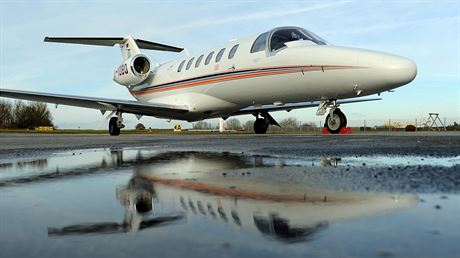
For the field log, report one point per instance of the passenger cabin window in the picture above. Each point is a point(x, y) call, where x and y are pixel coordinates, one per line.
point(220, 54)
point(208, 58)
point(181, 66)
point(280, 37)
point(259, 43)
point(198, 61)
point(190, 63)
point(232, 51)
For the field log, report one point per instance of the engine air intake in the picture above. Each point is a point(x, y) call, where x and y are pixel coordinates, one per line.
point(141, 65)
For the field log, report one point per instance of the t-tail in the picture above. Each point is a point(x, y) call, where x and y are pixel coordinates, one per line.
point(135, 68)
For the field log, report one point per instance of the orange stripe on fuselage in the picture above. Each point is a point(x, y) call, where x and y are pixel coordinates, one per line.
point(242, 76)
point(209, 188)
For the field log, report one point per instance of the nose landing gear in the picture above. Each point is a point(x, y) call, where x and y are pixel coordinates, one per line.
point(335, 120)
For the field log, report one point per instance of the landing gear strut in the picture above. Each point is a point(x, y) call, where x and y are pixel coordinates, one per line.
point(335, 121)
point(115, 124)
point(261, 124)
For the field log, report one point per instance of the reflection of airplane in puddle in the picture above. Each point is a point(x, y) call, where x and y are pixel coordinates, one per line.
point(137, 200)
point(238, 191)
point(330, 161)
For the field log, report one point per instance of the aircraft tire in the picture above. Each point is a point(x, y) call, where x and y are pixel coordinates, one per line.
point(342, 116)
point(114, 130)
point(260, 126)
point(335, 123)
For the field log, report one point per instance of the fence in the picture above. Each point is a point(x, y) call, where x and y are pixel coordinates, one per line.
point(357, 125)
point(376, 125)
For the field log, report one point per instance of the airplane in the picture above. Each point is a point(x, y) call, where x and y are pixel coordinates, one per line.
point(284, 68)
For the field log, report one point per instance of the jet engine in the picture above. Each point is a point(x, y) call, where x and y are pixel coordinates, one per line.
point(133, 71)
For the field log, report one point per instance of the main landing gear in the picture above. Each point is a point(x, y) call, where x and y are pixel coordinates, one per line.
point(261, 124)
point(115, 124)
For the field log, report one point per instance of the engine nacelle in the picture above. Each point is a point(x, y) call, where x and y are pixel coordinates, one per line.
point(133, 71)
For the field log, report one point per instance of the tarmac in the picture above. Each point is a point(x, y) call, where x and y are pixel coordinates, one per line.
point(445, 144)
point(361, 195)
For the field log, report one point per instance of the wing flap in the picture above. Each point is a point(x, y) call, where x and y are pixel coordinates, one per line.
point(127, 106)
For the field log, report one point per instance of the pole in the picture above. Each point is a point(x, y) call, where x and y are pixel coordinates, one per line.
point(364, 125)
point(389, 125)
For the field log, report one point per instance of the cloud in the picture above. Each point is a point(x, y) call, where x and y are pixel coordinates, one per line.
point(428, 32)
point(259, 15)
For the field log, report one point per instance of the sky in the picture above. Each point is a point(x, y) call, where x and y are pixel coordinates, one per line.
point(428, 32)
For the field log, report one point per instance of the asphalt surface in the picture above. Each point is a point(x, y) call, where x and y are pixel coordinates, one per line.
point(424, 162)
point(438, 144)
point(362, 195)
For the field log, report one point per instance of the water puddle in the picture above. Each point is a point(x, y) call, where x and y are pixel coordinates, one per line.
point(70, 203)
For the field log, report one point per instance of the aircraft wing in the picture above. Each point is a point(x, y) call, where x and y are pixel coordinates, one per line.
point(103, 104)
point(113, 227)
point(290, 106)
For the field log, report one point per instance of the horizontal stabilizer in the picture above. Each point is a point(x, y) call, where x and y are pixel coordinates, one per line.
point(111, 41)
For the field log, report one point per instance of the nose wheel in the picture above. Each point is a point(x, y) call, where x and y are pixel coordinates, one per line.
point(335, 121)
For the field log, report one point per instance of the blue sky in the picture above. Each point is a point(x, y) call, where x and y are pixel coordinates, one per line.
point(428, 32)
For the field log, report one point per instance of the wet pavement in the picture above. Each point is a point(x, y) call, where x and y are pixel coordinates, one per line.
point(162, 199)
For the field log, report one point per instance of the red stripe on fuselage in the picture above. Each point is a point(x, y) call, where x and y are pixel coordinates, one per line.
point(242, 76)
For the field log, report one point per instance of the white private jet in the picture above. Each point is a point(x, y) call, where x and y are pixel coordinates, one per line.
point(282, 69)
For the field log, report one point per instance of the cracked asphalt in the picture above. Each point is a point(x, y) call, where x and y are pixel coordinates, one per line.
point(438, 144)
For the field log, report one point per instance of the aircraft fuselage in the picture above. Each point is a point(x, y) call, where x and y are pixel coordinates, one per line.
point(301, 71)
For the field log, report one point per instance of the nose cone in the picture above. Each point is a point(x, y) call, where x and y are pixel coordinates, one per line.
point(386, 71)
point(399, 71)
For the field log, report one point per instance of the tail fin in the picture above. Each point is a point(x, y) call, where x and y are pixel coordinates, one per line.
point(129, 45)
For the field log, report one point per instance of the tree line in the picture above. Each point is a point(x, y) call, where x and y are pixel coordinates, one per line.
point(287, 124)
point(24, 115)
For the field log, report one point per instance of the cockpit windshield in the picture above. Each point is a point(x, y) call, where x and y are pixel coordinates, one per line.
point(280, 36)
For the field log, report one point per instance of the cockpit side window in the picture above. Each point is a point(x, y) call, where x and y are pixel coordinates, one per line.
point(285, 35)
point(259, 43)
point(280, 37)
